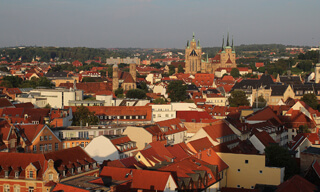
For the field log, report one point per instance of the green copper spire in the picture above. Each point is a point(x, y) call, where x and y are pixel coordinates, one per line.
point(193, 37)
point(228, 40)
point(188, 43)
point(198, 42)
point(207, 58)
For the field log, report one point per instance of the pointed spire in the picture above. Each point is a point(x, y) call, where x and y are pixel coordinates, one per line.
point(188, 43)
point(198, 43)
point(222, 43)
point(193, 37)
point(319, 54)
point(228, 40)
point(233, 49)
point(207, 58)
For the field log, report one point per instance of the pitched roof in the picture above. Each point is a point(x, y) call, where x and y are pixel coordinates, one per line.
point(139, 179)
point(263, 115)
point(217, 130)
point(5, 103)
point(296, 184)
point(264, 138)
point(201, 144)
point(193, 116)
point(68, 188)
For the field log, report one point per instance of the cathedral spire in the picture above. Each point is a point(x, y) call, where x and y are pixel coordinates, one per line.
point(198, 43)
point(207, 58)
point(232, 44)
point(193, 37)
point(188, 43)
point(228, 40)
point(222, 43)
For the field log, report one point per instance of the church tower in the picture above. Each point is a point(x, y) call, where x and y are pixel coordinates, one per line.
point(115, 78)
point(133, 71)
point(193, 54)
point(228, 55)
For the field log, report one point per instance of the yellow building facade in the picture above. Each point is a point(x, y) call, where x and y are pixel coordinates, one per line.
point(245, 171)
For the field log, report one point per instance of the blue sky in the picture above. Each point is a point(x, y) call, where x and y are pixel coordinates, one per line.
point(157, 23)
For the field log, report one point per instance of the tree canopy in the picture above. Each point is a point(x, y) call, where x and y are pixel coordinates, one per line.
point(136, 93)
point(277, 156)
point(310, 99)
point(177, 91)
point(235, 73)
point(238, 98)
point(82, 116)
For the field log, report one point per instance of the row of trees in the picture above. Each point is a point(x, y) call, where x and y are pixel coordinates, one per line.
point(14, 81)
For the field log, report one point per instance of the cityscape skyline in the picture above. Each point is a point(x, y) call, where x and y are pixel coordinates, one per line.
point(157, 24)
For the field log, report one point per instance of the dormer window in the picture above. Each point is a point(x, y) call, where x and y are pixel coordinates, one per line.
point(64, 173)
point(94, 165)
point(16, 174)
point(79, 169)
point(6, 174)
point(87, 167)
point(30, 174)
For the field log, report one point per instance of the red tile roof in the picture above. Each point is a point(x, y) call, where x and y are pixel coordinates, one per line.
point(193, 116)
point(296, 184)
point(217, 130)
point(200, 144)
point(139, 179)
point(5, 103)
point(174, 126)
point(68, 188)
point(264, 138)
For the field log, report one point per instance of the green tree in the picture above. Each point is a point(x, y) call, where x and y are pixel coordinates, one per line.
point(177, 91)
point(110, 71)
point(136, 93)
point(238, 98)
point(14, 81)
point(172, 69)
point(159, 100)
point(180, 69)
point(277, 156)
point(144, 86)
point(310, 99)
point(304, 129)
point(82, 116)
point(88, 79)
point(235, 73)
point(261, 102)
point(118, 92)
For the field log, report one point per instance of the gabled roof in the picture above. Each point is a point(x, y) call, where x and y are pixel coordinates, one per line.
point(68, 188)
point(217, 130)
point(138, 179)
point(201, 144)
point(296, 184)
point(174, 126)
point(264, 138)
point(263, 115)
point(5, 103)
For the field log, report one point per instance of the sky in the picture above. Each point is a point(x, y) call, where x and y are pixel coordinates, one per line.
point(157, 23)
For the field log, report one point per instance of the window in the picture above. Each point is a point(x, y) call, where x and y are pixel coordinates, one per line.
point(260, 171)
point(41, 138)
point(16, 174)
point(34, 148)
point(50, 177)
point(6, 174)
point(209, 175)
point(30, 174)
point(31, 189)
point(50, 147)
point(238, 170)
point(246, 161)
point(16, 188)
point(56, 146)
point(238, 186)
point(50, 137)
point(252, 187)
point(45, 138)
point(6, 188)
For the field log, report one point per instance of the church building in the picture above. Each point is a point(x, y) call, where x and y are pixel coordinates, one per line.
point(226, 58)
point(123, 79)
